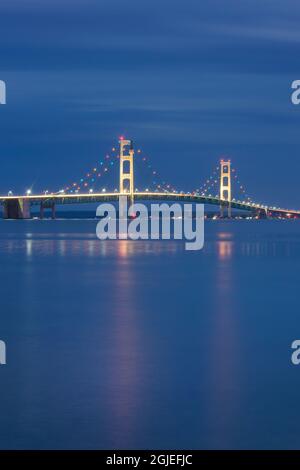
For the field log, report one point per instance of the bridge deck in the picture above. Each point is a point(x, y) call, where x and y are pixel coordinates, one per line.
point(61, 199)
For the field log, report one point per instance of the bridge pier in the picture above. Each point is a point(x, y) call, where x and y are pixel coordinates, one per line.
point(17, 209)
point(223, 207)
point(42, 210)
point(53, 211)
point(262, 213)
point(47, 205)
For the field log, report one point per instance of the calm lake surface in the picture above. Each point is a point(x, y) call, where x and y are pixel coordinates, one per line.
point(123, 344)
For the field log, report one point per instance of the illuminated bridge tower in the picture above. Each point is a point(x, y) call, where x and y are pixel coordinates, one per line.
point(225, 186)
point(126, 168)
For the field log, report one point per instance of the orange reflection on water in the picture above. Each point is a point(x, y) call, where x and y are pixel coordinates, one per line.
point(123, 248)
point(224, 249)
point(123, 379)
point(225, 361)
point(224, 235)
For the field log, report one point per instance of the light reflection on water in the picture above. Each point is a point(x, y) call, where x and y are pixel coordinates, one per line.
point(91, 247)
point(123, 344)
point(125, 365)
point(225, 372)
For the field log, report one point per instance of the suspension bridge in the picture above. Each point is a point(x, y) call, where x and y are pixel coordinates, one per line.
point(217, 190)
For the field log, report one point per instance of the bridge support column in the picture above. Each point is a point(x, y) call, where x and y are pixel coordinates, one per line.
point(126, 174)
point(42, 210)
point(262, 213)
point(53, 211)
point(225, 186)
point(17, 209)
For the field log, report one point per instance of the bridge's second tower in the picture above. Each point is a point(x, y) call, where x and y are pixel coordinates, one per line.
point(126, 168)
point(225, 186)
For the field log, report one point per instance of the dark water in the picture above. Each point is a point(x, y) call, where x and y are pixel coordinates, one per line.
point(125, 344)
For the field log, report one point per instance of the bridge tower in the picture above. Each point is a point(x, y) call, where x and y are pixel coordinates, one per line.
point(126, 168)
point(225, 186)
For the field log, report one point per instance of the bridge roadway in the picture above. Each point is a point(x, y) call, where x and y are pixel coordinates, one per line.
point(52, 200)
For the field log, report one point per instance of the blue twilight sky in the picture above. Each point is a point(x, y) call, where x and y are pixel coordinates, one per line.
point(189, 81)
